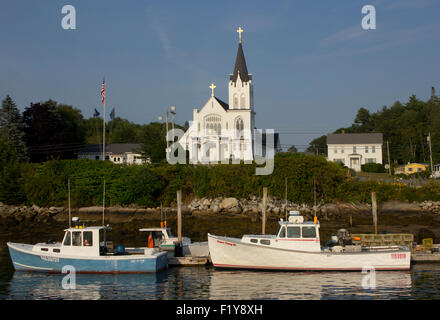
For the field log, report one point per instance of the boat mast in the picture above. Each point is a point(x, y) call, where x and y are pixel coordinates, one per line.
point(68, 191)
point(314, 199)
point(285, 196)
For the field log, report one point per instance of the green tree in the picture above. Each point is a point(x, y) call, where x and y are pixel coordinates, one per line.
point(318, 146)
point(12, 128)
point(53, 131)
point(11, 187)
point(292, 149)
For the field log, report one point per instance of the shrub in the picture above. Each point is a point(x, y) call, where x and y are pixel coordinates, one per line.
point(373, 167)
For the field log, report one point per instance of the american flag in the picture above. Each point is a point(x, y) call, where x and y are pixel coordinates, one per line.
point(103, 91)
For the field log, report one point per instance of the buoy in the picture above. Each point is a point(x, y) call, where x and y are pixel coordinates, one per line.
point(150, 241)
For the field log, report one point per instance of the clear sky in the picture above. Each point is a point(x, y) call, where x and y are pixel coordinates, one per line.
point(313, 65)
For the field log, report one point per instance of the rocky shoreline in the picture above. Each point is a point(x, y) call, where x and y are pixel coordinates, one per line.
point(246, 207)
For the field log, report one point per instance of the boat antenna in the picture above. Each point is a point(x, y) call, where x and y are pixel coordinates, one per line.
point(161, 216)
point(314, 199)
point(68, 192)
point(165, 220)
point(103, 204)
point(285, 196)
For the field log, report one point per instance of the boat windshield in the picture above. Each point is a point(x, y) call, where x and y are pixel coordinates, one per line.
point(282, 232)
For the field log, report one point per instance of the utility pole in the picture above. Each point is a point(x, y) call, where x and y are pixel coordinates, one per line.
point(389, 159)
point(166, 128)
point(374, 209)
point(430, 154)
point(173, 112)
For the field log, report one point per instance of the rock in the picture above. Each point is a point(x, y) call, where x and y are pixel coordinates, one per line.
point(229, 203)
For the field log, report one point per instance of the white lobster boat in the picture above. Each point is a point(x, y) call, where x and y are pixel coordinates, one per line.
point(296, 246)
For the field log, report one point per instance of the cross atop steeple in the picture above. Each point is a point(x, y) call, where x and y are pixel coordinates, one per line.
point(212, 86)
point(239, 30)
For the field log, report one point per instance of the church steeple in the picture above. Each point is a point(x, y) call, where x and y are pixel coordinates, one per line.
point(240, 66)
point(241, 95)
point(240, 63)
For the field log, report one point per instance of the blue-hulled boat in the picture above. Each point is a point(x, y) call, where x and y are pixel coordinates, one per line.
point(87, 251)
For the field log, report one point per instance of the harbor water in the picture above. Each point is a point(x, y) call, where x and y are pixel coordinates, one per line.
point(193, 283)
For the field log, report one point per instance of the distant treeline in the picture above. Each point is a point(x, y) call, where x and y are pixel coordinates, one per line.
point(406, 127)
point(148, 185)
point(49, 130)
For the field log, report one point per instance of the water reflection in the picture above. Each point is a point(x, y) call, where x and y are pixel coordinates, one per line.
point(27, 285)
point(306, 285)
point(422, 282)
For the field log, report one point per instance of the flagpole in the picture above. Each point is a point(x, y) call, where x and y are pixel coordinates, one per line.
point(103, 128)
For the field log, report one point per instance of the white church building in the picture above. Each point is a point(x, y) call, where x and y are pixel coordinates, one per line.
point(220, 131)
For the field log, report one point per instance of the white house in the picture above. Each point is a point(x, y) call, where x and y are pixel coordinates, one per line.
point(225, 131)
point(120, 153)
point(355, 149)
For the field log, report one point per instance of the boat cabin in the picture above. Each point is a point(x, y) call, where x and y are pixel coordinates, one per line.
point(293, 234)
point(163, 237)
point(80, 241)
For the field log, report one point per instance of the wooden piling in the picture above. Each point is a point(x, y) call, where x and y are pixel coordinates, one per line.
point(179, 215)
point(263, 227)
point(374, 209)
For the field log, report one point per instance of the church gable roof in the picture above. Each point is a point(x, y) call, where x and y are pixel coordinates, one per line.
point(219, 105)
point(240, 66)
point(222, 103)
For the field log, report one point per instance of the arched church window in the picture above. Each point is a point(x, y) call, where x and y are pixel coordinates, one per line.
point(242, 101)
point(213, 124)
point(239, 126)
point(235, 101)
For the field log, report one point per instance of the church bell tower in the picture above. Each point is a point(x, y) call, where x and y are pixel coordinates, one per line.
point(241, 89)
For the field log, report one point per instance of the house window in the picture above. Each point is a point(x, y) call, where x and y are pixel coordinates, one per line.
point(354, 149)
point(370, 160)
point(336, 150)
point(96, 157)
point(342, 150)
point(366, 149)
point(410, 169)
point(373, 149)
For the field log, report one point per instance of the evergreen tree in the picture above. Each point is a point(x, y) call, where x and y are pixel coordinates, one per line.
point(12, 128)
point(11, 186)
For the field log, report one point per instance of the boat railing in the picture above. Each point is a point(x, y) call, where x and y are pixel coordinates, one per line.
point(385, 248)
point(262, 236)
